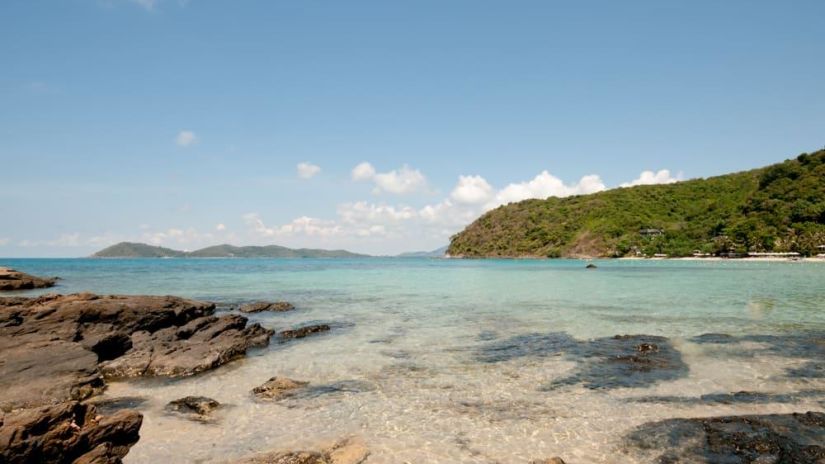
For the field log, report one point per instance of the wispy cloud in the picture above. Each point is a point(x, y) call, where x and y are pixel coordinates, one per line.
point(307, 170)
point(186, 138)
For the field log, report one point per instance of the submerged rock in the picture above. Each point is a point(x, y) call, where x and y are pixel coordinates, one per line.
point(775, 438)
point(260, 306)
point(305, 331)
point(603, 363)
point(348, 451)
point(194, 407)
point(277, 388)
point(553, 460)
point(16, 280)
point(67, 432)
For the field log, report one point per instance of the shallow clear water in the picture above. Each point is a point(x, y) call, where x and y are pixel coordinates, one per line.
point(476, 361)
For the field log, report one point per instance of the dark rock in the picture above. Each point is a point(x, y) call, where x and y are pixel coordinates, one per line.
point(178, 351)
point(260, 306)
point(67, 432)
point(591, 266)
point(194, 407)
point(37, 372)
point(277, 388)
point(15, 280)
point(56, 348)
point(302, 332)
point(776, 438)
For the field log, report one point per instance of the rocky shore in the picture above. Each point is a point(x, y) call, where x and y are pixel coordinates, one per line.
point(15, 280)
point(58, 350)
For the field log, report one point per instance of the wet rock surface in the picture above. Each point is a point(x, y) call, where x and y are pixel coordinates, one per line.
point(348, 451)
point(197, 346)
point(603, 363)
point(262, 306)
point(65, 433)
point(16, 280)
point(777, 438)
point(304, 331)
point(277, 388)
point(197, 408)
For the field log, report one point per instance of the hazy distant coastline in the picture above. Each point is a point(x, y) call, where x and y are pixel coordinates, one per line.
point(142, 250)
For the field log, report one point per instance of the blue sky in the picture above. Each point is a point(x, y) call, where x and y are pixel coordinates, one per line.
point(183, 123)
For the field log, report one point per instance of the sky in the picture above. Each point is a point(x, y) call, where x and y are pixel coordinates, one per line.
point(375, 126)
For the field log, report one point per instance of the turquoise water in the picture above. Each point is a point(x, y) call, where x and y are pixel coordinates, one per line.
point(419, 334)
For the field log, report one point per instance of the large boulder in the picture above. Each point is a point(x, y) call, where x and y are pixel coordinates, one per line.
point(56, 348)
point(16, 280)
point(69, 432)
point(38, 372)
point(177, 351)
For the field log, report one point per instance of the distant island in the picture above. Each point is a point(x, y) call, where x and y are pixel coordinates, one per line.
point(778, 209)
point(437, 253)
point(142, 250)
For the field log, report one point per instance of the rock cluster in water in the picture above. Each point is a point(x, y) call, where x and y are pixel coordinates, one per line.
point(16, 280)
point(57, 350)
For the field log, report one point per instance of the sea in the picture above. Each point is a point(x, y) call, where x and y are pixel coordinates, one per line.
point(477, 361)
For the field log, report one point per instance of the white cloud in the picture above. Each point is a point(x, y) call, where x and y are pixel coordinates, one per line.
point(307, 170)
point(300, 226)
point(472, 190)
point(649, 178)
point(405, 227)
point(4, 241)
point(364, 171)
point(547, 185)
point(398, 181)
point(186, 138)
point(220, 227)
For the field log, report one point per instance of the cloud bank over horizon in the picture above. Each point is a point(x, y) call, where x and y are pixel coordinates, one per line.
point(380, 225)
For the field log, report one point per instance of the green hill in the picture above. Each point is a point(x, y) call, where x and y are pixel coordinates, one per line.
point(137, 250)
point(141, 250)
point(779, 208)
